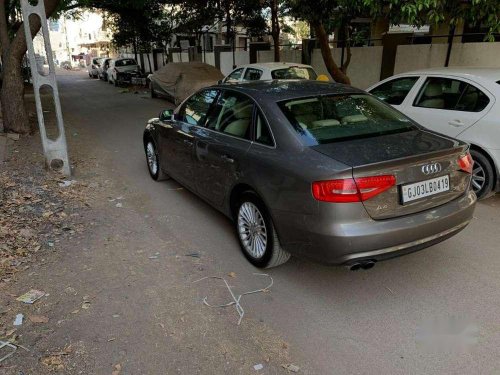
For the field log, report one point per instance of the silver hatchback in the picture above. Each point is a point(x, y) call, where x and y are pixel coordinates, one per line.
point(317, 170)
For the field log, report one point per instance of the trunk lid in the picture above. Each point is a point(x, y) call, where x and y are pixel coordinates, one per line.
point(405, 156)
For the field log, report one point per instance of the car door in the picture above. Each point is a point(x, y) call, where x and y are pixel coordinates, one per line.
point(222, 144)
point(177, 146)
point(448, 105)
point(395, 91)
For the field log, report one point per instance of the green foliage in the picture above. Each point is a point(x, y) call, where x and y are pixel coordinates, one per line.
point(421, 12)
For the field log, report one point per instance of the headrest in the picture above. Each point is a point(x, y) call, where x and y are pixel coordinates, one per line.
point(433, 89)
point(243, 111)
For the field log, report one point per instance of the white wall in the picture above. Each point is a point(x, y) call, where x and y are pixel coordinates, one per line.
point(422, 56)
point(287, 55)
point(180, 57)
point(364, 69)
point(419, 56)
point(226, 60)
point(209, 58)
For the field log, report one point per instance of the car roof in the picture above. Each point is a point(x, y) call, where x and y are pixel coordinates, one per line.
point(488, 74)
point(278, 90)
point(274, 65)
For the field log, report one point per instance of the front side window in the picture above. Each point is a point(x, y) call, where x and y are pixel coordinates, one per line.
point(294, 72)
point(195, 110)
point(232, 114)
point(394, 92)
point(327, 119)
point(440, 93)
point(235, 75)
point(252, 74)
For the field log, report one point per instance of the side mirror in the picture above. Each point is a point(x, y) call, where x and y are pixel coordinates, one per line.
point(166, 114)
point(220, 81)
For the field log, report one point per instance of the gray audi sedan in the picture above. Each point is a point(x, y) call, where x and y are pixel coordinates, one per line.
point(314, 169)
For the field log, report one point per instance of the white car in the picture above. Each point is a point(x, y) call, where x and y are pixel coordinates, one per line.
point(93, 67)
point(272, 70)
point(120, 70)
point(463, 103)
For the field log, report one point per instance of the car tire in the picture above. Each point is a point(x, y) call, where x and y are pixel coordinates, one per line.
point(153, 161)
point(483, 175)
point(262, 248)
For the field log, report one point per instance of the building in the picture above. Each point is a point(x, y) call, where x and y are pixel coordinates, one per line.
point(77, 40)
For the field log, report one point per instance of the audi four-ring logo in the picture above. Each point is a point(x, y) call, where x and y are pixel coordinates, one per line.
point(431, 168)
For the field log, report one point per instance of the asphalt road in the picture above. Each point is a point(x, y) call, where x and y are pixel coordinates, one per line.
point(431, 312)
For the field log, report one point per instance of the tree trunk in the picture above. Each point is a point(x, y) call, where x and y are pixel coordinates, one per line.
point(229, 23)
point(12, 97)
point(275, 26)
point(330, 64)
point(12, 93)
point(347, 43)
point(149, 63)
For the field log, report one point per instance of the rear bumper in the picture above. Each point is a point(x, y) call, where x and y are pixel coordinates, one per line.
point(332, 238)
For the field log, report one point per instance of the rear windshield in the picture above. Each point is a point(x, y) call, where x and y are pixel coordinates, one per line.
point(294, 72)
point(125, 62)
point(327, 119)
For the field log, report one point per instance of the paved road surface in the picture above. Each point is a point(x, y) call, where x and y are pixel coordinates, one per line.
point(337, 321)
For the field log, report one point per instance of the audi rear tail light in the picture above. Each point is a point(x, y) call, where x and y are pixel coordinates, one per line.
point(352, 189)
point(466, 163)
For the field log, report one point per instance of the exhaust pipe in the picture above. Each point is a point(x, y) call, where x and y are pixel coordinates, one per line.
point(365, 265)
point(354, 267)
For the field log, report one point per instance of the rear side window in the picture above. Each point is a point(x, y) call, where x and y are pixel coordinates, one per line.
point(125, 62)
point(394, 92)
point(195, 110)
point(232, 115)
point(262, 131)
point(451, 94)
point(327, 119)
point(252, 74)
point(294, 72)
point(472, 100)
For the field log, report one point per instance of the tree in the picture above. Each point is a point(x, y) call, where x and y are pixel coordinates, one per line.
point(275, 28)
point(13, 48)
point(421, 12)
point(324, 16)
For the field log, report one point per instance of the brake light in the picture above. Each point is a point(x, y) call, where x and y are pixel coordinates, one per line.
point(466, 163)
point(351, 189)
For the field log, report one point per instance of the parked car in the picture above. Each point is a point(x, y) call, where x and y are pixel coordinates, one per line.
point(177, 81)
point(120, 71)
point(93, 68)
point(459, 102)
point(103, 69)
point(318, 170)
point(272, 70)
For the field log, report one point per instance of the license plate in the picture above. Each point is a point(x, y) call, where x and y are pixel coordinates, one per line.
point(425, 188)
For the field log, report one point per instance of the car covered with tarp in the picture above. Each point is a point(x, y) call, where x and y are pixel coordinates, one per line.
point(177, 81)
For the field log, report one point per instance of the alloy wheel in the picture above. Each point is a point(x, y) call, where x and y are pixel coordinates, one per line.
point(478, 177)
point(152, 159)
point(252, 230)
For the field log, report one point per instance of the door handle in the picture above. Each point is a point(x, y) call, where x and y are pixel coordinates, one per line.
point(188, 142)
point(227, 158)
point(456, 123)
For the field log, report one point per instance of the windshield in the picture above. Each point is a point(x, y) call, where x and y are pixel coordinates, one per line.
point(125, 62)
point(327, 119)
point(294, 72)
